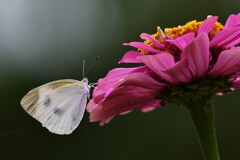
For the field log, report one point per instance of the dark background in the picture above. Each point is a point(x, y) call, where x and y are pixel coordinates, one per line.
point(45, 40)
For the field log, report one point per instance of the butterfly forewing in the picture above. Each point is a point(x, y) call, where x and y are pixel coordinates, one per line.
point(58, 105)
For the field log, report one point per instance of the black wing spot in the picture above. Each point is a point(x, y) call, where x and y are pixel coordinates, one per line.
point(47, 102)
point(58, 111)
point(74, 119)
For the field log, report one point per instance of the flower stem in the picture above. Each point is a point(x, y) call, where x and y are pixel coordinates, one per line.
point(203, 120)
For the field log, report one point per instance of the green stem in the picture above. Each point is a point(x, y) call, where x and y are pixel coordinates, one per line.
point(203, 120)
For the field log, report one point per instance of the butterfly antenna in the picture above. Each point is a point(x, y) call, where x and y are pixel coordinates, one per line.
point(83, 74)
point(92, 64)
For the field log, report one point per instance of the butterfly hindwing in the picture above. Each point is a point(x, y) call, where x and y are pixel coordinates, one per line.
point(58, 105)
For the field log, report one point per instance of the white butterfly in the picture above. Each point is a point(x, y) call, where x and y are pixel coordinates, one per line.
point(58, 105)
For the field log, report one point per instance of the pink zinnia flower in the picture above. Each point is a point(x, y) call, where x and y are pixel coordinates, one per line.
point(181, 64)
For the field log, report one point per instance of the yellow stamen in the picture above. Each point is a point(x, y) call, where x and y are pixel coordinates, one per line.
point(217, 27)
point(191, 26)
point(178, 31)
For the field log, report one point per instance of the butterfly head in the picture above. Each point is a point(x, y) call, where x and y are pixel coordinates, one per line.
point(84, 80)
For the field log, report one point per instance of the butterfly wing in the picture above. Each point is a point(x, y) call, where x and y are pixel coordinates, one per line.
point(58, 105)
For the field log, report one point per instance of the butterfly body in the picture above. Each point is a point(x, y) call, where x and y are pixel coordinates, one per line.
point(59, 105)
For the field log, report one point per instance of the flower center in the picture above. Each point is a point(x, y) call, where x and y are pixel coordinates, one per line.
point(178, 31)
point(191, 26)
point(193, 92)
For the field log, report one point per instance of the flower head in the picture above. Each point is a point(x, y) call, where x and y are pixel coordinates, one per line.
point(180, 64)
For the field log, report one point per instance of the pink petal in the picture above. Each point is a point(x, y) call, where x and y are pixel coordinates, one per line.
point(227, 38)
point(163, 64)
point(138, 90)
point(207, 25)
point(158, 62)
point(233, 21)
point(107, 84)
point(155, 42)
point(92, 105)
point(141, 80)
point(235, 42)
point(227, 63)
point(198, 53)
point(179, 73)
point(236, 82)
point(183, 41)
point(121, 100)
point(126, 112)
point(130, 57)
point(105, 121)
point(142, 46)
point(151, 106)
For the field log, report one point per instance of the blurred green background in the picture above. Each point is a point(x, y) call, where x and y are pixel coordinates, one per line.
point(47, 40)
